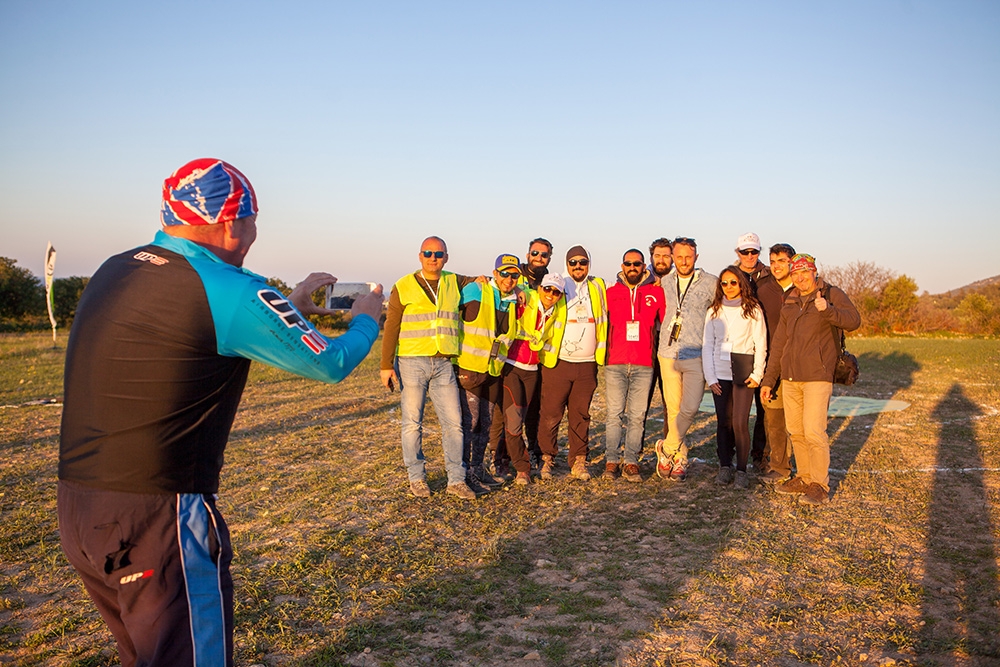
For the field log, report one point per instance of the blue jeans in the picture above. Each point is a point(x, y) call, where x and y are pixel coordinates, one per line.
point(418, 377)
point(626, 390)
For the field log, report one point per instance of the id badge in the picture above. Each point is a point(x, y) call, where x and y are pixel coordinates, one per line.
point(582, 312)
point(632, 331)
point(727, 351)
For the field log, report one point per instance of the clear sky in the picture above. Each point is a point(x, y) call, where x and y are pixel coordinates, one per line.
point(853, 130)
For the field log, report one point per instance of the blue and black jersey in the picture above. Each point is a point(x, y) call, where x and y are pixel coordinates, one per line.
point(158, 357)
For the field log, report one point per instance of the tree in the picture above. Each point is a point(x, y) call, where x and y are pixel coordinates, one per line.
point(977, 314)
point(66, 293)
point(899, 302)
point(21, 293)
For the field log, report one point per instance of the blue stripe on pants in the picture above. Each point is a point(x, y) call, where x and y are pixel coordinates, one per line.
point(196, 534)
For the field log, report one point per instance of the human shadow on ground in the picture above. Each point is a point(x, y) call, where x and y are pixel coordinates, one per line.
point(961, 588)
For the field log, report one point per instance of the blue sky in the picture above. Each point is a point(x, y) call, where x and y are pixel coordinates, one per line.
point(853, 130)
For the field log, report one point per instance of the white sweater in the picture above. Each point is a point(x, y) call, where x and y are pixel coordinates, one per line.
point(747, 336)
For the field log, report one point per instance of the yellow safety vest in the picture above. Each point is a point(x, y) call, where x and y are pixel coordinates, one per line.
point(549, 354)
point(479, 334)
point(426, 328)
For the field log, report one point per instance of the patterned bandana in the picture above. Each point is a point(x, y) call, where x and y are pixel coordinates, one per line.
point(803, 262)
point(206, 191)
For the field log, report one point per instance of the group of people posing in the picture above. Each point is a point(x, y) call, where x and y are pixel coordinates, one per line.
point(504, 358)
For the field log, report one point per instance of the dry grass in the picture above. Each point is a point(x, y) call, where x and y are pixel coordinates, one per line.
point(336, 564)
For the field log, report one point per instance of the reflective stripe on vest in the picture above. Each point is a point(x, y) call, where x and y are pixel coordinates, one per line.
point(426, 328)
point(477, 335)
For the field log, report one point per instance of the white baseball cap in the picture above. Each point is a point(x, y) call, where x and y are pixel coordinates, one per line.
point(748, 240)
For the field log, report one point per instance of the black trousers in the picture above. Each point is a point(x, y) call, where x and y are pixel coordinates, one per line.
point(157, 567)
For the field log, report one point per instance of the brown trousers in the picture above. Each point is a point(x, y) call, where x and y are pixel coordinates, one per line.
point(567, 386)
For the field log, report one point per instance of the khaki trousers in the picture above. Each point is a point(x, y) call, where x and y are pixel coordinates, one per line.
point(806, 407)
point(683, 389)
point(778, 450)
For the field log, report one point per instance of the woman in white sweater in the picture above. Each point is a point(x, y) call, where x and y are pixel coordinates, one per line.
point(733, 356)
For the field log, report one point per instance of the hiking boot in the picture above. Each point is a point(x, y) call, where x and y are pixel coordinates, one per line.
point(610, 470)
point(631, 472)
point(484, 476)
point(419, 488)
point(815, 495)
point(742, 479)
point(793, 487)
point(579, 469)
point(664, 463)
point(503, 471)
point(462, 490)
point(679, 471)
point(523, 479)
point(473, 483)
point(548, 464)
point(725, 476)
point(773, 477)
point(536, 460)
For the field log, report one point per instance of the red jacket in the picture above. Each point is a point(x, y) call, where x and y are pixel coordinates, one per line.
point(645, 304)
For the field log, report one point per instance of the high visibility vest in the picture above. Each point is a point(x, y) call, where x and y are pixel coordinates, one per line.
point(479, 335)
point(426, 328)
point(549, 354)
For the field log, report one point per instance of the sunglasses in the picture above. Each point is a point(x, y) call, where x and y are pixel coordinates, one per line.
point(750, 251)
point(545, 255)
point(551, 290)
point(632, 263)
point(581, 262)
point(509, 274)
point(436, 254)
point(726, 283)
point(685, 240)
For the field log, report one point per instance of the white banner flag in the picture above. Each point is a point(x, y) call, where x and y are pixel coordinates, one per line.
point(50, 269)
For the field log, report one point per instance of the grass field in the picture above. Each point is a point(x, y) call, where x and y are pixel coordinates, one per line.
point(336, 564)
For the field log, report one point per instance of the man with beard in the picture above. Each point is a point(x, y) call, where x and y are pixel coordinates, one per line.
point(688, 293)
point(771, 292)
point(569, 363)
point(634, 312)
point(660, 263)
point(537, 264)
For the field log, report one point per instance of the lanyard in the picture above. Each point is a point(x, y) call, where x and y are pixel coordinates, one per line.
point(680, 297)
point(631, 295)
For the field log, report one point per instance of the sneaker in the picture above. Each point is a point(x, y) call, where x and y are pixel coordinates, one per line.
point(462, 490)
point(419, 488)
point(815, 495)
point(631, 472)
point(679, 472)
point(548, 464)
point(473, 483)
point(579, 469)
point(610, 470)
point(725, 476)
point(793, 487)
point(773, 477)
point(664, 463)
point(523, 479)
point(742, 479)
point(484, 476)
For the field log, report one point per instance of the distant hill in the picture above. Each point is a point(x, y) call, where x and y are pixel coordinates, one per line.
point(990, 287)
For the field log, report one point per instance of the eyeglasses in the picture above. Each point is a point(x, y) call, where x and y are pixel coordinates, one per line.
point(551, 290)
point(509, 274)
point(581, 262)
point(750, 251)
point(726, 283)
point(545, 255)
point(632, 263)
point(436, 254)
